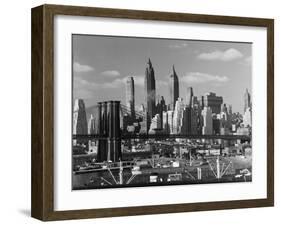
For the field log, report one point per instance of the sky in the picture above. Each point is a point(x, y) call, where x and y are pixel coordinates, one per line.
point(101, 65)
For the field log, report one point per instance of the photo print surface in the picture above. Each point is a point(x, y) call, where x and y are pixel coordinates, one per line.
point(153, 112)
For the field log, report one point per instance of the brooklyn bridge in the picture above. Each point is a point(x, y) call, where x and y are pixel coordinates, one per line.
point(109, 134)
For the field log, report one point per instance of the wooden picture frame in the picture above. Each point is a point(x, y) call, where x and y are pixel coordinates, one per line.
point(42, 203)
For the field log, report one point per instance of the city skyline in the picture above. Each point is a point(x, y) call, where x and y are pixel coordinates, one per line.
point(107, 78)
point(141, 123)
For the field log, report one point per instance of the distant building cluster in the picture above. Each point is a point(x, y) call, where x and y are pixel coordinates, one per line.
point(188, 115)
point(205, 115)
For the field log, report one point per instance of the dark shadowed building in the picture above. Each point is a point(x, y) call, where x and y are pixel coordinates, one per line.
point(149, 92)
point(109, 126)
point(160, 108)
point(174, 89)
point(213, 101)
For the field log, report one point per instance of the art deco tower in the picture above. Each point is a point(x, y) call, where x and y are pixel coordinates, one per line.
point(149, 92)
point(130, 95)
point(174, 89)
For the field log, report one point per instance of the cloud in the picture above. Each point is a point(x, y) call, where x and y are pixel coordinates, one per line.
point(77, 67)
point(227, 55)
point(83, 88)
point(111, 73)
point(198, 77)
point(178, 46)
point(86, 89)
point(115, 84)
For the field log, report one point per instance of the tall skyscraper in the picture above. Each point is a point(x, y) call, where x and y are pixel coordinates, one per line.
point(178, 114)
point(247, 100)
point(207, 128)
point(130, 96)
point(170, 121)
point(165, 125)
point(189, 96)
point(149, 92)
point(91, 125)
point(79, 118)
point(189, 121)
point(247, 118)
point(174, 89)
point(160, 107)
point(213, 101)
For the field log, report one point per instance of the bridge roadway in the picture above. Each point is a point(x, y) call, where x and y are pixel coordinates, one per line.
point(165, 136)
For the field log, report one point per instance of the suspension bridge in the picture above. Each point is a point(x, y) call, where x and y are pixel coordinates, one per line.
point(110, 135)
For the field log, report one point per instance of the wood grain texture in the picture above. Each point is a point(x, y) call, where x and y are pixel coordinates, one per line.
point(43, 107)
point(270, 111)
point(37, 159)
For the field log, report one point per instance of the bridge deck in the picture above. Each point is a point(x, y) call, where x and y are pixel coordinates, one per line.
point(164, 136)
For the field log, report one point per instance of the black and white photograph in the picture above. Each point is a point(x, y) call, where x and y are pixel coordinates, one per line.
point(157, 112)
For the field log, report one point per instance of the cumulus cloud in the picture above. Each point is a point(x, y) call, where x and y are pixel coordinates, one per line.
point(227, 55)
point(197, 77)
point(77, 67)
point(83, 88)
point(111, 73)
point(114, 84)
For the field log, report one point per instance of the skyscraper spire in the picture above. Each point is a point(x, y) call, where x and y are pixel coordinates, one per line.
point(149, 92)
point(149, 63)
point(174, 88)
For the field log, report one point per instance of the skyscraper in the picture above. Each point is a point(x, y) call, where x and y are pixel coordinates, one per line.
point(247, 100)
point(170, 121)
point(91, 125)
point(189, 96)
point(149, 92)
point(160, 107)
point(207, 128)
point(165, 125)
point(189, 121)
point(178, 114)
point(130, 96)
point(247, 118)
point(174, 89)
point(213, 101)
point(80, 125)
